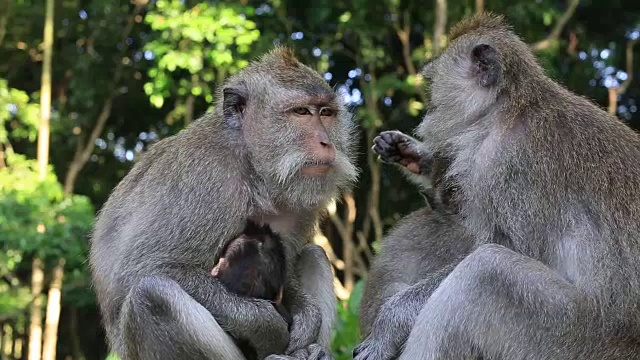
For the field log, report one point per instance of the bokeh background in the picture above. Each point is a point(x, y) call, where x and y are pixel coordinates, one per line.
point(87, 85)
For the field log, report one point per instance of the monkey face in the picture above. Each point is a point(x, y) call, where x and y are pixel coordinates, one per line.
point(299, 136)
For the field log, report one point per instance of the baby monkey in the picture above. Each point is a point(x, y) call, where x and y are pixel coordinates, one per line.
point(253, 265)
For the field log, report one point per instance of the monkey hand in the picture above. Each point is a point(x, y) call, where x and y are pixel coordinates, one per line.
point(395, 147)
point(305, 328)
point(390, 330)
point(311, 352)
point(266, 331)
point(369, 349)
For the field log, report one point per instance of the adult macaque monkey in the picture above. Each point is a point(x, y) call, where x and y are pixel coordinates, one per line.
point(549, 186)
point(276, 149)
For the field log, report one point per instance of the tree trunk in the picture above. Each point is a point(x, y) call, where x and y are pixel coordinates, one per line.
point(18, 341)
point(35, 326)
point(53, 300)
point(45, 94)
point(5, 9)
point(76, 350)
point(3, 339)
point(440, 25)
point(479, 6)
point(53, 312)
point(188, 109)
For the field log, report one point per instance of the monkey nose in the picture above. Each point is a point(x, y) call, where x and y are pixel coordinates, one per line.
point(326, 152)
point(323, 148)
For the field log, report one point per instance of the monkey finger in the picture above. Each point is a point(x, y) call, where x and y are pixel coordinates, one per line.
point(317, 352)
point(396, 137)
point(389, 155)
point(388, 137)
point(382, 144)
point(387, 158)
point(368, 350)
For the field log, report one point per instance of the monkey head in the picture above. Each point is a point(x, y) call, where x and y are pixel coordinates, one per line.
point(297, 133)
point(254, 264)
point(485, 68)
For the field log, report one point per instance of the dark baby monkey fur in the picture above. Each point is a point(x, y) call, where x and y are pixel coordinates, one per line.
point(253, 265)
point(278, 147)
point(549, 190)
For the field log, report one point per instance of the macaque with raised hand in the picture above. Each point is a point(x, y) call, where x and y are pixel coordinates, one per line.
point(549, 189)
point(277, 148)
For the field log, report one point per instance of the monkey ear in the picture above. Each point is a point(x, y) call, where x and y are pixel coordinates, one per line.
point(486, 64)
point(234, 102)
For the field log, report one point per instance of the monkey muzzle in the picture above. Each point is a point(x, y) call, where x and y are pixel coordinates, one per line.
point(317, 167)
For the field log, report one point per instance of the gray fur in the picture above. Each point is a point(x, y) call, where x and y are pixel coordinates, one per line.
point(549, 187)
point(414, 258)
point(163, 228)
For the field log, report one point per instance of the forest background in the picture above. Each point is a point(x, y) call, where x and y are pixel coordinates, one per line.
point(87, 85)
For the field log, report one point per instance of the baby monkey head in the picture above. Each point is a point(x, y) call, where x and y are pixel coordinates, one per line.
point(298, 133)
point(254, 264)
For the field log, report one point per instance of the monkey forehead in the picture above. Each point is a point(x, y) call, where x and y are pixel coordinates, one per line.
point(307, 96)
point(309, 86)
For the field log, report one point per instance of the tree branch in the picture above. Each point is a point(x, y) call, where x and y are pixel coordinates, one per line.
point(81, 157)
point(403, 34)
point(615, 92)
point(554, 35)
point(629, 67)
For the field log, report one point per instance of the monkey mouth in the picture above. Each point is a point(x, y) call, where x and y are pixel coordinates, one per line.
point(317, 167)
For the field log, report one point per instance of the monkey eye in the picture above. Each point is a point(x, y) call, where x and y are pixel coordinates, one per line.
point(327, 112)
point(302, 111)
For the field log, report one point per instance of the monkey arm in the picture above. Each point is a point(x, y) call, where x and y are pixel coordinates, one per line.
point(309, 296)
point(509, 306)
point(306, 318)
point(254, 320)
point(397, 316)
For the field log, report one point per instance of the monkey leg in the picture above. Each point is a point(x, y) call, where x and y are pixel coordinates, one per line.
point(396, 318)
point(509, 306)
point(316, 281)
point(161, 321)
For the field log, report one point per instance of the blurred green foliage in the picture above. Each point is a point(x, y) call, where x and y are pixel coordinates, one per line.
point(203, 45)
point(346, 333)
point(35, 216)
